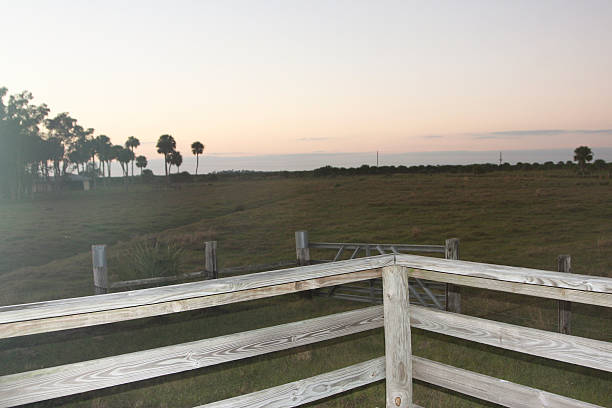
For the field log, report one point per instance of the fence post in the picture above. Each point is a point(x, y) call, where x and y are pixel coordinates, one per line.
point(100, 269)
point(453, 292)
point(210, 254)
point(301, 248)
point(398, 349)
point(564, 264)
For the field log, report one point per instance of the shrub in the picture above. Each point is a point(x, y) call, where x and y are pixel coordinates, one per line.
point(156, 259)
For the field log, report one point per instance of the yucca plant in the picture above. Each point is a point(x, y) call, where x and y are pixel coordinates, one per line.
point(154, 259)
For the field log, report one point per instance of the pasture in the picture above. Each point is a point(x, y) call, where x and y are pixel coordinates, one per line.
point(521, 219)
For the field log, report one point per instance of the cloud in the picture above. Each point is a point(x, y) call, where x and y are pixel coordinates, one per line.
point(227, 154)
point(433, 136)
point(314, 139)
point(515, 134)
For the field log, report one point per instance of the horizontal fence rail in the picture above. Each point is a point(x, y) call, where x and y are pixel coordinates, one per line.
point(70, 379)
point(18, 320)
point(593, 290)
point(200, 274)
point(106, 372)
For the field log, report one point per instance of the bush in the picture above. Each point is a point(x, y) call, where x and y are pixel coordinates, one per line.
point(181, 177)
point(155, 259)
point(147, 175)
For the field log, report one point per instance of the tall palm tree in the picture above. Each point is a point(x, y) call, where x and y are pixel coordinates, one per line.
point(197, 148)
point(131, 144)
point(141, 163)
point(582, 155)
point(165, 145)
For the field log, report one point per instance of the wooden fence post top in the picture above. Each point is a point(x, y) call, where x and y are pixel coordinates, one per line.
point(301, 239)
point(564, 263)
point(452, 248)
point(210, 259)
point(100, 269)
point(98, 256)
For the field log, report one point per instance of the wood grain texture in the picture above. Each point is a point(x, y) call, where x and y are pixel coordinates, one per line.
point(69, 379)
point(481, 386)
point(581, 296)
point(508, 273)
point(27, 327)
point(488, 388)
point(398, 348)
point(87, 304)
point(387, 247)
point(309, 390)
point(556, 346)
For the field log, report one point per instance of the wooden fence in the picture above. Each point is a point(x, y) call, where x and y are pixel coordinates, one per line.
point(398, 366)
point(444, 296)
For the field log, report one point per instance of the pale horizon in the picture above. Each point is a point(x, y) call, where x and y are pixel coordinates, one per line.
point(280, 78)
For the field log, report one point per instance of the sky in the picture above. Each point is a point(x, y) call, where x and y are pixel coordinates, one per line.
point(251, 78)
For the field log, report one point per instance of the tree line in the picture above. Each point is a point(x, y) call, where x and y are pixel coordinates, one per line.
point(36, 148)
point(583, 155)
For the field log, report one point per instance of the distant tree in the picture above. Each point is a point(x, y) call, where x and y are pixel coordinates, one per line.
point(62, 127)
point(20, 142)
point(176, 159)
point(124, 157)
point(131, 144)
point(80, 149)
point(197, 148)
point(141, 163)
point(113, 154)
point(55, 151)
point(599, 164)
point(583, 155)
point(165, 145)
point(102, 148)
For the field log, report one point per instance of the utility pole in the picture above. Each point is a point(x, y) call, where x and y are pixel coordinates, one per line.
point(500, 158)
point(377, 158)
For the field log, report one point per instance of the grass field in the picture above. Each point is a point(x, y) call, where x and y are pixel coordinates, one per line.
point(522, 219)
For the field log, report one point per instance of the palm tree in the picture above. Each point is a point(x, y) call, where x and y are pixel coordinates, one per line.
point(582, 155)
point(102, 143)
point(165, 145)
point(197, 148)
point(124, 156)
point(131, 144)
point(113, 154)
point(176, 159)
point(141, 163)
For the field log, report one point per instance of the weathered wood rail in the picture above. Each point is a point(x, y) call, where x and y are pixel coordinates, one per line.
point(398, 367)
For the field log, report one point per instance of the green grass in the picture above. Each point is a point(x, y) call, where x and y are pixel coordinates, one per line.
point(514, 219)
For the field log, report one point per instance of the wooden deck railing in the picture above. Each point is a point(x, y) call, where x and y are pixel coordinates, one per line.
point(398, 366)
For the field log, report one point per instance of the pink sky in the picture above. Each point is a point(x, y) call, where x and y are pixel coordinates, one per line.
point(277, 77)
